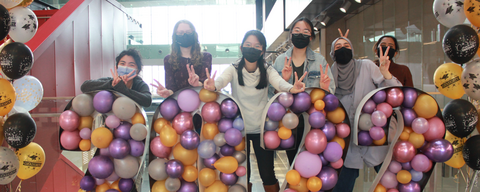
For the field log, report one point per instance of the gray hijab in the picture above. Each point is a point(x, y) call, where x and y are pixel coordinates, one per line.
point(344, 75)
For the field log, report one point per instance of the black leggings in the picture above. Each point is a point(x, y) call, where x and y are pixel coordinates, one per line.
point(300, 129)
point(264, 160)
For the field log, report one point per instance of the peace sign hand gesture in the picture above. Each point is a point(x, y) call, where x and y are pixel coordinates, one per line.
point(287, 69)
point(115, 76)
point(341, 34)
point(385, 63)
point(161, 90)
point(193, 78)
point(209, 83)
point(324, 78)
point(299, 86)
point(126, 78)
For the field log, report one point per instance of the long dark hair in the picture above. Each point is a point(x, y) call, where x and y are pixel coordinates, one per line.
point(309, 23)
point(133, 53)
point(197, 56)
point(397, 47)
point(260, 62)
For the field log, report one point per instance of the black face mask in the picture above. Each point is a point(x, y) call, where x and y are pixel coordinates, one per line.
point(300, 40)
point(391, 52)
point(186, 40)
point(251, 54)
point(343, 55)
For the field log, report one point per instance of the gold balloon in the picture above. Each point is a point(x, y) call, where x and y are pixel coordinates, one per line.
point(81, 190)
point(472, 12)
point(408, 130)
point(284, 133)
point(404, 136)
point(85, 145)
point(190, 173)
point(336, 116)
point(114, 185)
point(207, 96)
point(209, 130)
point(301, 187)
point(101, 137)
point(416, 139)
point(227, 164)
point(319, 105)
point(314, 183)
point(380, 188)
point(2, 136)
point(339, 141)
point(187, 157)
point(380, 142)
point(7, 96)
point(207, 177)
point(447, 80)
point(103, 187)
point(25, 3)
point(426, 106)
point(85, 122)
point(293, 177)
point(217, 186)
point(168, 136)
point(316, 94)
point(457, 160)
point(404, 177)
point(241, 146)
point(159, 186)
point(159, 123)
point(138, 118)
point(32, 159)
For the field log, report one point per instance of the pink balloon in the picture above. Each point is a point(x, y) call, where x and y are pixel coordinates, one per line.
point(312, 110)
point(420, 125)
point(395, 167)
point(112, 177)
point(158, 149)
point(376, 133)
point(188, 100)
point(337, 164)
point(70, 139)
point(403, 151)
point(286, 99)
point(420, 162)
point(385, 108)
point(395, 97)
point(271, 139)
point(112, 121)
point(379, 118)
point(69, 120)
point(308, 164)
point(369, 107)
point(211, 112)
point(241, 171)
point(436, 129)
point(290, 190)
point(393, 190)
point(389, 180)
point(430, 165)
point(85, 133)
point(182, 122)
point(343, 130)
point(315, 141)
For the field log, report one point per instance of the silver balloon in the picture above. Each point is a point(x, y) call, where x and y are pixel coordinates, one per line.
point(271, 125)
point(83, 105)
point(127, 167)
point(449, 13)
point(138, 132)
point(237, 188)
point(290, 120)
point(9, 163)
point(219, 139)
point(157, 169)
point(239, 156)
point(124, 108)
point(471, 79)
point(173, 184)
point(365, 122)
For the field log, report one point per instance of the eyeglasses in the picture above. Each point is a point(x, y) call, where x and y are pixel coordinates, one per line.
point(306, 31)
point(180, 33)
point(256, 46)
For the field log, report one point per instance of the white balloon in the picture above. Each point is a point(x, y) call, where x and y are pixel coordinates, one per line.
point(23, 24)
point(29, 92)
point(10, 3)
point(449, 13)
point(9, 163)
point(471, 79)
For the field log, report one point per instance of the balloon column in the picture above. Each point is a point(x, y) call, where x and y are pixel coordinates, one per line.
point(326, 139)
point(184, 160)
point(119, 138)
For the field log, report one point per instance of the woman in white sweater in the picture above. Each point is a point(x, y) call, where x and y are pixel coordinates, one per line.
point(249, 80)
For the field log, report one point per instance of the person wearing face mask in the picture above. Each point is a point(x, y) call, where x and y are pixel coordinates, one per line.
point(249, 79)
point(354, 79)
point(184, 62)
point(124, 79)
point(401, 72)
point(301, 58)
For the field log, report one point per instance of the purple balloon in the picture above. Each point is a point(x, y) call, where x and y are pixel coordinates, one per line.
point(100, 167)
point(229, 108)
point(333, 152)
point(324, 161)
point(233, 137)
point(416, 175)
point(104, 152)
point(407, 166)
point(408, 116)
point(380, 97)
point(271, 125)
point(103, 102)
point(301, 102)
point(409, 187)
point(420, 162)
point(331, 102)
point(329, 177)
point(369, 107)
point(189, 100)
point(364, 138)
point(438, 150)
point(409, 97)
point(276, 112)
point(119, 148)
point(287, 143)
point(169, 109)
point(286, 99)
point(112, 190)
point(376, 133)
point(123, 131)
point(228, 178)
point(136, 148)
point(224, 124)
point(85, 133)
point(316, 120)
point(208, 162)
point(87, 183)
point(329, 130)
point(227, 150)
point(174, 168)
point(112, 121)
point(190, 139)
point(188, 187)
point(379, 118)
point(238, 124)
point(125, 184)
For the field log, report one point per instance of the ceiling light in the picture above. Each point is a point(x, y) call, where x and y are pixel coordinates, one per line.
point(358, 1)
point(345, 6)
point(325, 21)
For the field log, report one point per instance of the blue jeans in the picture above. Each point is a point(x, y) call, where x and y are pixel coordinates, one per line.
point(347, 177)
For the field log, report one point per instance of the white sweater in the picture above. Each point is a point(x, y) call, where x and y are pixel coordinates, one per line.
point(251, 100)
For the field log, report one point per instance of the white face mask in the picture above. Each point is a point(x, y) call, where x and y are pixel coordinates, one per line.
point(123, 70)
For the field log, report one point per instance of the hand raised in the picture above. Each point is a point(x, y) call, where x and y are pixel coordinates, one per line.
point(209, 83)
point(385, 63)
point(287, 69)
point(324, 78)
point(193, 78)
point(115, 76)
point(161, 90)
point(299, 86)
point(341, 34)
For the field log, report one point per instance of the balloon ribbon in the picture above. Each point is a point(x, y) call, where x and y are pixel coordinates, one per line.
point(19, 187)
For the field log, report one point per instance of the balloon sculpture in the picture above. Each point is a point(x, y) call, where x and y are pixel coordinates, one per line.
point(183, 159)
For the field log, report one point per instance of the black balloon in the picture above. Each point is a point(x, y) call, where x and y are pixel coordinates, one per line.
point(4, 22)
point(16, 60)
point(20, 129)
point(460, 43)
point(460, 117)
point(471, 152)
